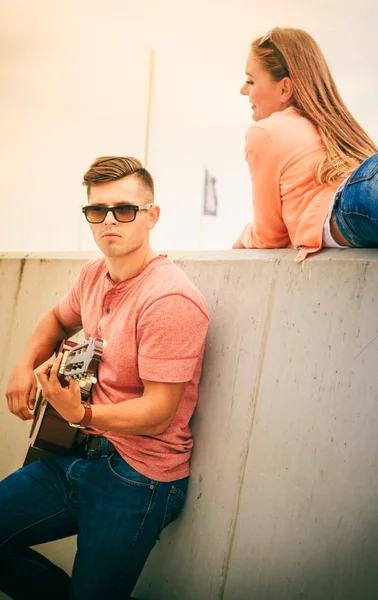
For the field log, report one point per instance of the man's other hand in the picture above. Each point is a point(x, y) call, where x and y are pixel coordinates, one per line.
point(21, 391)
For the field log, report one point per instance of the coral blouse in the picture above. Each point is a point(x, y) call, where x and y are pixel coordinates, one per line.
point(290, 207)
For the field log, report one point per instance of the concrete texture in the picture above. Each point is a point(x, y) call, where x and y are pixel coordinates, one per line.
point(283, 497)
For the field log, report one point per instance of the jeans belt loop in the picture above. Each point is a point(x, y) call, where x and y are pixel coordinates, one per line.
point(104, 447)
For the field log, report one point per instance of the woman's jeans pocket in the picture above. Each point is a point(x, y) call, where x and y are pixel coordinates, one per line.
point(367, 170)
point(356, 205)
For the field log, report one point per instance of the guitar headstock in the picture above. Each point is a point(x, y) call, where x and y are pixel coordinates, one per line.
point(80, 362)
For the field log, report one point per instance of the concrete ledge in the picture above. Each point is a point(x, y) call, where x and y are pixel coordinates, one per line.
point(283, 496)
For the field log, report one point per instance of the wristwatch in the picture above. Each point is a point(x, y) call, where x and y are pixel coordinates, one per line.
point(86, 419)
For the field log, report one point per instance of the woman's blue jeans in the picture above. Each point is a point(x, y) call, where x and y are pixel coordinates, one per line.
point(356, 206)
point(117, 514)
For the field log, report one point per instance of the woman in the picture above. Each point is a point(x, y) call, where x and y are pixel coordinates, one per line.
point(314, 170)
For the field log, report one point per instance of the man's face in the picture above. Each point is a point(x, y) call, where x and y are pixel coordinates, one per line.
point(121, 239)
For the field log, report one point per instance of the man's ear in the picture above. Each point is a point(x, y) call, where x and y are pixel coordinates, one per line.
point(286, 90)
point(153, 216)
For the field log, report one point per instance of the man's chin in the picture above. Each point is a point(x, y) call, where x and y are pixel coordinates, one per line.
point(113, 251)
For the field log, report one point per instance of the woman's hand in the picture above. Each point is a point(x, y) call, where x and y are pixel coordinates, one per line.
point(238, 245)
point(66, 400)
point(21, 391)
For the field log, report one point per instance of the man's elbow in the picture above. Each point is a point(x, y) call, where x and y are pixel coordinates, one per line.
point(66, 331)
point(159, 428)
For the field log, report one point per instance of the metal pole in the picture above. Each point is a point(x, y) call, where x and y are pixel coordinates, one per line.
point(149, 105)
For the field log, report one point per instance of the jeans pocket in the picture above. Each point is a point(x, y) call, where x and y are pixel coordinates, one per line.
point(126, 474)
point(175, 502)
point(365, 171)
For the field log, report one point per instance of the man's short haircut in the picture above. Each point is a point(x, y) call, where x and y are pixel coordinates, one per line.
point(111, 168)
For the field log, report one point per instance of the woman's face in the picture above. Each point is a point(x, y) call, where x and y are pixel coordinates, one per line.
point(265, 95)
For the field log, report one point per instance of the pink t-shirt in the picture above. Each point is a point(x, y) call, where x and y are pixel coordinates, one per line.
point(155, 325)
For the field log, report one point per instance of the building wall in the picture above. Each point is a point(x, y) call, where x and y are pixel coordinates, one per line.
point(283, 494)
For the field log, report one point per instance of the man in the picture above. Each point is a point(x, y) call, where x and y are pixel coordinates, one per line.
point(126, 478)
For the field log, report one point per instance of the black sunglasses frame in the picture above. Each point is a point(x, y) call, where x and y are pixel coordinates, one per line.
point(113, 210)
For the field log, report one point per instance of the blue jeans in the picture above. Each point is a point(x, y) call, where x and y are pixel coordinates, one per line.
point(117, 514)
point(356, 206)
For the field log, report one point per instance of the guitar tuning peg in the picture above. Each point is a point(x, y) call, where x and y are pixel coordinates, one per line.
point(92, 379)
point(82, 383)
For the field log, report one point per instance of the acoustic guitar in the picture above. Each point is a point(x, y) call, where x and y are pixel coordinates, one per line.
point(50, 433)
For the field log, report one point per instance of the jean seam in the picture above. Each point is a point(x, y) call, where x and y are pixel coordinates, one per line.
point(67, 474)
point(174, 491)
point(350, 236)
point(179, 493)
point(351, 212)
point(33, 525)
point(136, 536)
point(126, 481)
point(35, 563)
point(351, 181)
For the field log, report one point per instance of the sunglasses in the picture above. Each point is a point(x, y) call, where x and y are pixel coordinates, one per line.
point(123, 213)
point(268, 39)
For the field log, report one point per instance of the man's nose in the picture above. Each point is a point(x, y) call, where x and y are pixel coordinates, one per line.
point(110, 218)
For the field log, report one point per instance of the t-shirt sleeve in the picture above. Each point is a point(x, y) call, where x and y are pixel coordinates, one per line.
point(171, 334)
point(268, 229)
point(70, 305)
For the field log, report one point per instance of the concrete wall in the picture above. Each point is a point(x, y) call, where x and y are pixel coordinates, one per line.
point(283, 501)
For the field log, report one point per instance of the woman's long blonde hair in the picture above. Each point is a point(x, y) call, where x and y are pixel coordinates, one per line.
point(294, 52)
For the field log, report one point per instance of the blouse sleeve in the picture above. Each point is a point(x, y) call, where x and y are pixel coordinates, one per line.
point(264, 161)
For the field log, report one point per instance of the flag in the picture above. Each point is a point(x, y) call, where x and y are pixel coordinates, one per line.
point(210, 202)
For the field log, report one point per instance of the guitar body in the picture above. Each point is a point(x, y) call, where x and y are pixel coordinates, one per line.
point(50, 433)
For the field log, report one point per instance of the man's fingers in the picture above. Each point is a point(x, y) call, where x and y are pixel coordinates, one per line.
point(43, 373)
point(56, 365)
point(44, 369)
point(32, 397)
point(73, 385)
point(33, 393)
point(20, 408)
point(25, 413)
point(17, 401)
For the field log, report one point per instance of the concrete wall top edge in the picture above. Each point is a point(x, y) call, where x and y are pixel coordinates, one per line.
point(328, 254)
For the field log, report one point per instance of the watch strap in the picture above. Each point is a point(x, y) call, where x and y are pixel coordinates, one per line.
point(86, 419)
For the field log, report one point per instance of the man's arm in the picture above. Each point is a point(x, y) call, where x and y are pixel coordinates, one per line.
point(21, 389)
point(149, 414)
point(171, 334)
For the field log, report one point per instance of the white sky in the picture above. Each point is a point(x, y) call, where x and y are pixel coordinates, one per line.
point(73, 86)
